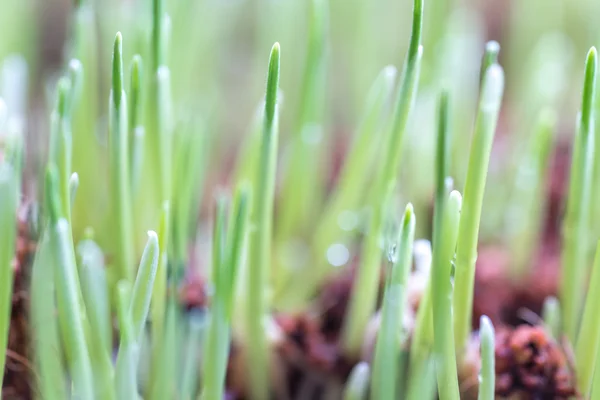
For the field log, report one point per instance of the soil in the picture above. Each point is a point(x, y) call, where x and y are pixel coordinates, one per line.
point(18, 374)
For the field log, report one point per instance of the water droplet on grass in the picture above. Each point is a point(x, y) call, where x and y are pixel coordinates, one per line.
point(338, 254)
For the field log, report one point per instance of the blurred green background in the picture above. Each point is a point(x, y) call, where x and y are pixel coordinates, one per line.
point(217, 56)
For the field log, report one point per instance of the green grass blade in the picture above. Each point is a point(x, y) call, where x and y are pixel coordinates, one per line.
point(68, 293)
point(466, 252)
point(443, 338)
point(303, 183)
point(127, 357)
point(144, 283)
point(122, 205)
point(576, 223)
point(94, 288)
point(588, 338)
point(47, 350)
point(159, 291)
point(364, 295)
point(260, 252)
point(136, 127)
point(61, 143)
point(387, 347)
point(487, 373)
point(194, 343)
point(355, 172)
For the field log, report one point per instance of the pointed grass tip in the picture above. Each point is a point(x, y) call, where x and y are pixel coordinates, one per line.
point(117, 72)
point(64, 90)
point(272, 82)
point(589, 84)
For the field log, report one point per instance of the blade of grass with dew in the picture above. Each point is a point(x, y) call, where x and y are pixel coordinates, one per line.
point(364, 292)
point(196, 323)
point(387, 347)
point(127, 357)
point(588, 337)
point(355, 172)
point(61, 143)
point(357, 386)
point(68, 293)
point(525, 212)
point(144, 283)
point(443, 334)
point(136, 126)
point(490, 57)
point(551, 316)
point(303, 183)
point(120, 186)
point(94, 288)
point(423, 335)
point(260, 252)
point(52, 380)
point(468, 234)
point(9, 195)
point(576, 223)
point(487, 372)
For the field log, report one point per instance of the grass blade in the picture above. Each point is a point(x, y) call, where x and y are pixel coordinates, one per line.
point(94, 288)
point(260, 252)
point(576, 223)
point(68, 293)
point(468, 235)
point(122, 205)
point(52, 383)
point(387, 347)
point(127, 357)
point(588, 338)
point(443, 338)
point(487, 373)
point(144, 283)
point(364, 294)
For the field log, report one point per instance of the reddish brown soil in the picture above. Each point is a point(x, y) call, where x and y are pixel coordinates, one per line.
point(19, 371)
point(531, 363)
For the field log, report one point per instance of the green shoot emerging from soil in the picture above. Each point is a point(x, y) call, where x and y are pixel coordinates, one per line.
point(315, 264)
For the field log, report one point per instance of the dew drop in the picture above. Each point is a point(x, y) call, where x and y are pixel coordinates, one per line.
point(338, 254)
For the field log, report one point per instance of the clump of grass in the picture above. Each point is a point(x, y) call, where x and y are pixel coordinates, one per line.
point(157, 155)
